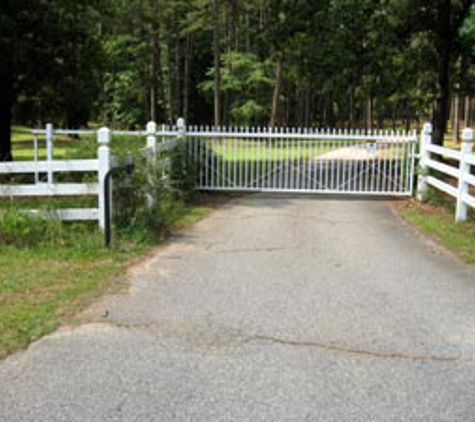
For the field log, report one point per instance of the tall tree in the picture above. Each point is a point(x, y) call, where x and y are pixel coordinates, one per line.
point(217, 63)
point(443, 40)
point(449, 18)
point(156, 62)
point(8, 42)
point(274, 116)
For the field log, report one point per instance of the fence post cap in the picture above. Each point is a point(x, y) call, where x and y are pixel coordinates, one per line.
point(180, 123)
point(467, 135)
point(151, 127)
point(104, 135)
point(427, 128)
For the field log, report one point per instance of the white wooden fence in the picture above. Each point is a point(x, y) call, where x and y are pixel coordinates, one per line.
point(377, 163)
point(158, 142)
point(50, 167)
point(456, 180)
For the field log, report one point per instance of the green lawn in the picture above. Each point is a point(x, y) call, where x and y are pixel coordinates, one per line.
point(43, 287)
point(66, 147)
point(436, 219)
point(23, 145)
point(233, 150)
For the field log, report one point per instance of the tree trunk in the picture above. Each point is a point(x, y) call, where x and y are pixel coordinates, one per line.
point(351, 106)
point(248, 29)
point(186, 82)
point(6, 104)
point(156, 67)
point(456, 119)
point(7, 95)
point(443, 40)
point(468, 111)
point(307, 107)
point(178, 73)
point(234, 20)
point(323, 105)
point(369, 112)
point(331, 110)
point(277, 90)
point(217, 64)
point(232, 45)
point(170, 84)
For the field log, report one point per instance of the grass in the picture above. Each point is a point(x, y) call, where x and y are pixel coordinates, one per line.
point(260, 151)
point(40, 289)
point(233, 150)
point(66, 147)
point(436, 219)
point(23, 145)
point(52, 270)
point(43, 285)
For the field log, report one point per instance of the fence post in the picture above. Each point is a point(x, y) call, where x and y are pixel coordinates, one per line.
point(464, 170)
point(151, 160)
point(151, 137)
point(49, 151)
point(425, 141)
point(104, 156)
point(181, 126)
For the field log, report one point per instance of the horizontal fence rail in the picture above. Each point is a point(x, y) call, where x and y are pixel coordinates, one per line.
point(303, 161)
point(45, 184)
point(56, 166)
point(159, 142)
point(231, 159)
point(453, 177)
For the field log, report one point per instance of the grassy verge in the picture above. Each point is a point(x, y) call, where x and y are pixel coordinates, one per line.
point(44, 283)
point(66, 147)
point(436, 219)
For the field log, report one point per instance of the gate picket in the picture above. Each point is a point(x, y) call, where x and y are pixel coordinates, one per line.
point(303, 160)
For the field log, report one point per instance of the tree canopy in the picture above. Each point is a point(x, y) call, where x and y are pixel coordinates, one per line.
point(369, 63)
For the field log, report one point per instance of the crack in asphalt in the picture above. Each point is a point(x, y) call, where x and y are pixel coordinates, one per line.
point(362, 352)
point(245, 338)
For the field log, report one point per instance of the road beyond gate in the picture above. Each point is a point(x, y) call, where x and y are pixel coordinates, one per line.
point(273, 308)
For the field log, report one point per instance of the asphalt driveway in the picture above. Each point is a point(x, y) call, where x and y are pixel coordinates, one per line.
point(272, 309)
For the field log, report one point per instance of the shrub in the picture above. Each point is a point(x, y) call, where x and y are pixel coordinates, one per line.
point(146, 203)
point(145, 206)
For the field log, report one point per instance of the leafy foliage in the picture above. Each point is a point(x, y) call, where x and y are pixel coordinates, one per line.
point(248, 80)
point(344, 62)
point(148, 201)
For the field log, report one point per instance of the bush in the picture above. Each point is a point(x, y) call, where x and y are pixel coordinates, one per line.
point(146, 203)
point(184, 171)
point(145, 206)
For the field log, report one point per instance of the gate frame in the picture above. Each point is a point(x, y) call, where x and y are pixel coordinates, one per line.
point(404, 186)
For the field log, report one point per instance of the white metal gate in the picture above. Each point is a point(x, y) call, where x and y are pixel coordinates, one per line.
point(303, 160)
